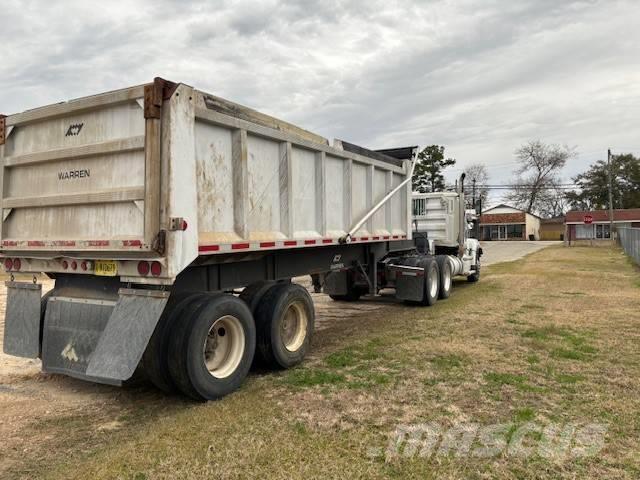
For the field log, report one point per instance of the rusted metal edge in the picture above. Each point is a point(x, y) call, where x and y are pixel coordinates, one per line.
point(155, 93)
point(24, 285)
point(3, 128)
point(144, 293)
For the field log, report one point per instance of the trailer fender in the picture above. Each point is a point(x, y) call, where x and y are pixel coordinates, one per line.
point(22, 319)
point(100, 340)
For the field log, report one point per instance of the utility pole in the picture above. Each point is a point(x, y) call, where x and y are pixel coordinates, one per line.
point(473, 195)
point(610, 195)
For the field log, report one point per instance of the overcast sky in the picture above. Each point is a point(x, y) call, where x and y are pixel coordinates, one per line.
point(480, 77)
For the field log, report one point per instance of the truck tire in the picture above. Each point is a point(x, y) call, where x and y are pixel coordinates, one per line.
point(155, 358)
point(254, 292)
point(212, 346)
point(444, 266)
point(474, 277)
point(431, 281)
point(284, 324)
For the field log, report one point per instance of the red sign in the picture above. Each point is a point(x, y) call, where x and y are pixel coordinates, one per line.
point(588, 219)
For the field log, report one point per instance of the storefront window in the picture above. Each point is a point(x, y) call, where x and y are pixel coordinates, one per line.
point(603, 231)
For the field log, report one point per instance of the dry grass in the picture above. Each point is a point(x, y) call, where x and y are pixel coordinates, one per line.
point(550, 338)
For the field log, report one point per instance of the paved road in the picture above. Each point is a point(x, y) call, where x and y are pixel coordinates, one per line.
point(496, 252)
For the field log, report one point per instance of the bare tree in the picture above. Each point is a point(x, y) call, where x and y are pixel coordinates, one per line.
point(553, 202)
point(539, 170)
point(479, 173)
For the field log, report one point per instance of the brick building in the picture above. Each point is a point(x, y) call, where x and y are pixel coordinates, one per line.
point(509, 223)
point(577, 231)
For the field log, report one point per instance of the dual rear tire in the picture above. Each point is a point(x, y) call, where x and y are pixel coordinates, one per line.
point(204, 344)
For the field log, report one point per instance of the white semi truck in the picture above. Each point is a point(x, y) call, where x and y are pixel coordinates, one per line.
point(152, 206)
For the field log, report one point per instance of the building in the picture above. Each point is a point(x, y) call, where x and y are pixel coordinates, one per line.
point(598, 232)
point(552, 228)
point(509, 223)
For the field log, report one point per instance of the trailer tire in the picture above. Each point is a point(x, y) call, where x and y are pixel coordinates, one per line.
point(444, 267)
point(212, 347)
point(474, 277)
point(254, 293)
point(155, 361)
point(285, 321)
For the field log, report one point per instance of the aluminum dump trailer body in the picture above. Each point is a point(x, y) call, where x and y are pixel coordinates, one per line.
point(171, 174)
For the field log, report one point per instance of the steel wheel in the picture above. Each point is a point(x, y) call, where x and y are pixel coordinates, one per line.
point(224, 346)
point(294, 326)
point(433, 285)
point(284, 322)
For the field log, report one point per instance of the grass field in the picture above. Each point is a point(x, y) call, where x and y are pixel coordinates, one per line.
point(548, 342)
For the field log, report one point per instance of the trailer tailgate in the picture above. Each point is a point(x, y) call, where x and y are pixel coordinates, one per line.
point(81, 175)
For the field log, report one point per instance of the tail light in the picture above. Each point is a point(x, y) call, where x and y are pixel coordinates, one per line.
point(17, 264)
point(8, 263)
point(156, 269)
point(143, 268)
point(84, 266)
point(65, 264)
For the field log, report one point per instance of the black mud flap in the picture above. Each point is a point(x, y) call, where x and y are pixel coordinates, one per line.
point(22, 320)
point(100, 340)
point(336, 283)
point(409, 283)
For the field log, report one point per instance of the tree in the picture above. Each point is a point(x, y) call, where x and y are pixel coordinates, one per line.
point(553, 202)
point(427, 175)
point(479, 173)
point(593, 192)
point(539, 169)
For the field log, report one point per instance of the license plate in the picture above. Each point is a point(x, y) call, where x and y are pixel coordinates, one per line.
point(105, 268)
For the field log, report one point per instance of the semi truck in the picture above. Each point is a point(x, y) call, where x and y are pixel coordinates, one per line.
point(172, 222)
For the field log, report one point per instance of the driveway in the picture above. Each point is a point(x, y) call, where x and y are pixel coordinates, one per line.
point(497, 251)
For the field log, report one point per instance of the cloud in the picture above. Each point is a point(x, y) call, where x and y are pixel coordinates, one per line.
point(480, 77)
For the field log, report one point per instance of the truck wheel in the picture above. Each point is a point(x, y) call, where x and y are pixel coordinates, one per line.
point(444, 266)
point(431, 281)
point(155, 361)
point(284, 323)
point(474, 277)
point(212, 346)
point(254, 292)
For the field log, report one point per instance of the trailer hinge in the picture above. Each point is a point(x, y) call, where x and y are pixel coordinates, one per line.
point(154, 94)
point(160, 243)
point(3, 129)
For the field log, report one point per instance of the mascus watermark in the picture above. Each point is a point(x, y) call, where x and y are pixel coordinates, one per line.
point(553, 441)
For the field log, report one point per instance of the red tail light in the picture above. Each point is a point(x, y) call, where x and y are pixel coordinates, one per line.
point(65, 264)
point(74, 265)
point(8, 263)
point(84, 266)
point(17, 264)
point(156, 269)
point(143, 268)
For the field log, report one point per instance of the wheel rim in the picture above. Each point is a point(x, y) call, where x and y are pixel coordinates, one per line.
point(293, 327)
point(224, 346)
point(447, 280)
point(433, 285)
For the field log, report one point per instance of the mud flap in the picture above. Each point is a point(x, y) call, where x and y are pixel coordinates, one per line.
point(409, 283)
point(100, 340)
point(22, 320)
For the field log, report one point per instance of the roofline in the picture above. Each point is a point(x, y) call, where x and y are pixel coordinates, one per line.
point(602, 221)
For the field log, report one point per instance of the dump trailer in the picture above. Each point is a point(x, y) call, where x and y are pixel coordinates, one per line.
point(173, 221)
